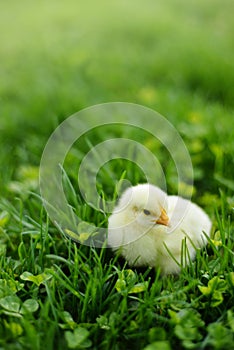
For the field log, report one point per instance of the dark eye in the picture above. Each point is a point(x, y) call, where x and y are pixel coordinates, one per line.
point(146, 212)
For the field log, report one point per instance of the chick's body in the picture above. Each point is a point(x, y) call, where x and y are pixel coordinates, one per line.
point(148, 228)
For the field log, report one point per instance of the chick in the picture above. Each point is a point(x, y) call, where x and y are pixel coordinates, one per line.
point(148, 227)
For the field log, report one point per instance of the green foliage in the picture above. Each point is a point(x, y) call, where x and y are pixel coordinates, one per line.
point(126, 283)
point(11, 305)
point(38, 279)
point(188, 325)
point(158, 345)
point(219, 336)
point(215, 289)
point(78, 339)
point(56, 58)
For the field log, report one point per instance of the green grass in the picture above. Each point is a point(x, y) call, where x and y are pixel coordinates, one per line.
point(57, 58)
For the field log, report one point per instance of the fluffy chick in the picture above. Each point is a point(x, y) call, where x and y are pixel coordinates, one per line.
point(148, 227)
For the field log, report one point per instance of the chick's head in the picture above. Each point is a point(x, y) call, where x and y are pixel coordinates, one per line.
point(146, 204)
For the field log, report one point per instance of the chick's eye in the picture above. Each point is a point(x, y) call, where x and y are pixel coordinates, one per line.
point(146, 212)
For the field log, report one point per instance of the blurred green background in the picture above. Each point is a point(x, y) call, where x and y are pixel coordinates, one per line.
point(174, 56)
point(58, 57)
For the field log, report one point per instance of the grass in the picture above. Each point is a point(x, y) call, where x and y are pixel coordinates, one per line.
point(174, 57)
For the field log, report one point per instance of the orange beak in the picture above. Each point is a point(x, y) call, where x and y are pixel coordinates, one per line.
point(163, 218)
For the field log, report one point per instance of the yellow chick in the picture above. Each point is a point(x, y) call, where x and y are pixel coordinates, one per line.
point(148, 227)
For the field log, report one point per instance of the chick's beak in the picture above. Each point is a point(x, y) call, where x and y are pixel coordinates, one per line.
point(163, 218)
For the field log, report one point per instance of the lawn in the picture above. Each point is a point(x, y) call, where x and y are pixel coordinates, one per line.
point(174, 57)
